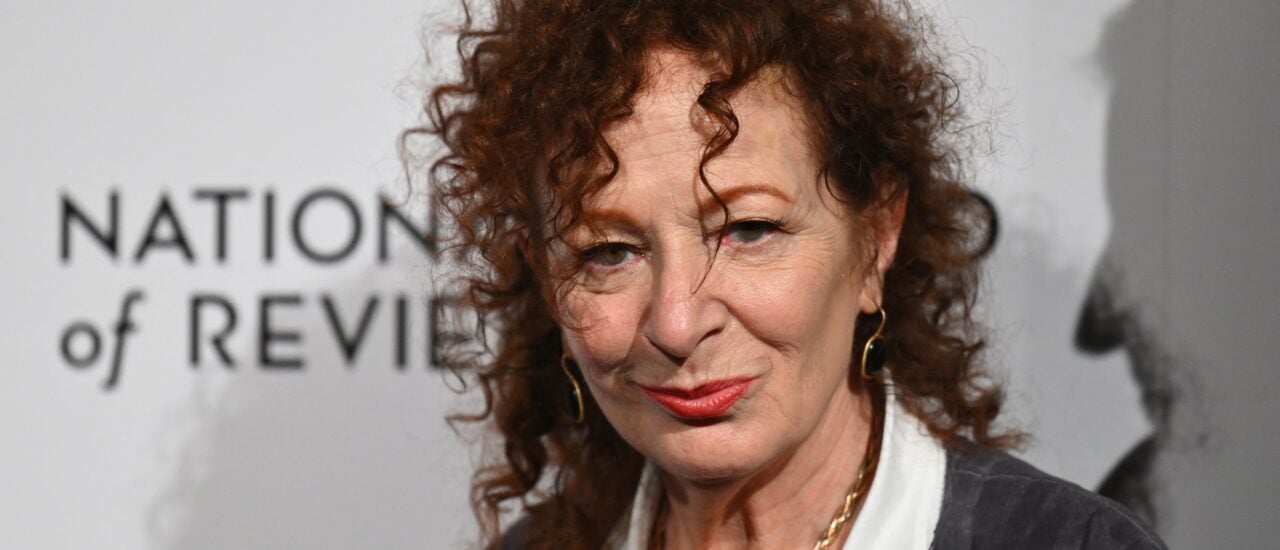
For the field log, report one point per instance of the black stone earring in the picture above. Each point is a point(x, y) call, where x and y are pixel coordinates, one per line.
point(572, 399)
point(873, 353)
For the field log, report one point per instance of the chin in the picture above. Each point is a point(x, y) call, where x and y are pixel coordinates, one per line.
point(710, 453)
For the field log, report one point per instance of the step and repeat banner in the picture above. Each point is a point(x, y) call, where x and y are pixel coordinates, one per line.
point(219, 303)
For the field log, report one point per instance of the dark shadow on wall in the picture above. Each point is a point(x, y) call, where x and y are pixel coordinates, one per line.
point(328, 456)
point(1127, 303)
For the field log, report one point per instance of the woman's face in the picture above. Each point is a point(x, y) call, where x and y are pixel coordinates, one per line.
point(716, 374)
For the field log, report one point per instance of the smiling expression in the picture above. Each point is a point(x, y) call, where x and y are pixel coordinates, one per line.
point(715, 353)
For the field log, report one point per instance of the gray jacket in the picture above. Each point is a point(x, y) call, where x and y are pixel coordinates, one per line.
point(993, 500)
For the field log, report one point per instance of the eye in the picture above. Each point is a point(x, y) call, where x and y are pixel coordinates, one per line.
point(608, 254)
point(750, 231)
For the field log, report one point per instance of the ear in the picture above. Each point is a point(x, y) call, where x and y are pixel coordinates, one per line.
point(886, 219)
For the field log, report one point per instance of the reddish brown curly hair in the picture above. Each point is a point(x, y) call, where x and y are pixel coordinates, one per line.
point(523, 129)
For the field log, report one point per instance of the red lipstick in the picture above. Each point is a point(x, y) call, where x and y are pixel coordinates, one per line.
point(706, 401)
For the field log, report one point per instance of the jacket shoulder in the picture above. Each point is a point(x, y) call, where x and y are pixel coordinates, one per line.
point(993, 500)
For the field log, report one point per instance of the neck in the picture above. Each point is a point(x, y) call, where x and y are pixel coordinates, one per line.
point(787, 504)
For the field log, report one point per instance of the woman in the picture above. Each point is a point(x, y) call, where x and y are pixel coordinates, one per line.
point(731, 236)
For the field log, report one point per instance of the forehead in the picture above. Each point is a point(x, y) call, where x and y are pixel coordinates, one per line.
point(660, 145)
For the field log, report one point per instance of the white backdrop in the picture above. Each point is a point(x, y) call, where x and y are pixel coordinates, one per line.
point(154, 101)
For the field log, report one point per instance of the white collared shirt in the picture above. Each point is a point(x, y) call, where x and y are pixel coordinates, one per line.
point(901, 509)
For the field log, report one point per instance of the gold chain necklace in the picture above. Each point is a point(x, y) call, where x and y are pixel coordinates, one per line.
point(854, 497)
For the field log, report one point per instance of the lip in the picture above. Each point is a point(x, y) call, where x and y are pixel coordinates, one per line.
point(708, 400)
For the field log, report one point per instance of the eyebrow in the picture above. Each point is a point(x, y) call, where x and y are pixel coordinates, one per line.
point(727, 196)
point(619, 217)
point(608, 216)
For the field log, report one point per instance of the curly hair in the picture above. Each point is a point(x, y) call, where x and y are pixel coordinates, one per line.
point(523, 130)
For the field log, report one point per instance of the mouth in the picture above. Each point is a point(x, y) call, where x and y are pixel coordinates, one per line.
point(706, 401)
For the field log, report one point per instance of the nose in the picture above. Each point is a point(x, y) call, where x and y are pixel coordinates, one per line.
point(684, 309)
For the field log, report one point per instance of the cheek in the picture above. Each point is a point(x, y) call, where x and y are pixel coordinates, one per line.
point(799, 307)
point(602, 327)
point(805, 314)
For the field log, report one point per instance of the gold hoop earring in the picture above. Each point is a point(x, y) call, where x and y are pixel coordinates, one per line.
point(873, 352)
point(572, 399)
